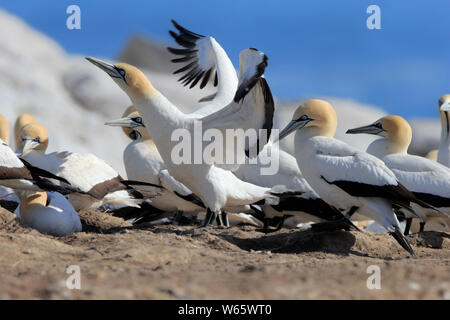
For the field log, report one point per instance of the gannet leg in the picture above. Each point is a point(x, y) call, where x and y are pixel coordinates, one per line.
point(219, 220)
point(351, 212)
point(178, 216)
point(213, 217)
point(207, 218)
point(408, 226)
point(422, 226)
point(225, 219)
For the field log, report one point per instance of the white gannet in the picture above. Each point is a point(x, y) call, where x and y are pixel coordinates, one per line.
point(98, 181)
point(206, 60)
point(218, 188)
point(343, 176)
point(144, 163)
point(8, 199)
point(444, 143)
point(49, 212)
point(428, 180)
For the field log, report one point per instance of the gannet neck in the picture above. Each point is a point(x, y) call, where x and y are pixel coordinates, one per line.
point(4, 129)
point(444, 142)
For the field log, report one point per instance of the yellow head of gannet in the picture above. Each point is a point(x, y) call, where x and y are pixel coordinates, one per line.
point(21, 121)
point(132, 124)
point(34, 137)
point(129, 78)
point(4, 129)
point(317, 116)
point(395, 129)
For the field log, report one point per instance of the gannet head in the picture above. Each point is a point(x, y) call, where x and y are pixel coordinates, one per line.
point(21, 121)
point(444, 103)
point(394, 128)
point(317, 115)
point(34, 137)
point(30, 201)
point(132, 80)
point(4, 129)
point(132, 124)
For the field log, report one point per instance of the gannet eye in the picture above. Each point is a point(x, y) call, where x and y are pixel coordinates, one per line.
point(303, 118)
point(137, 120)
point(122, 72)
point(379, 125)
point(37, 139)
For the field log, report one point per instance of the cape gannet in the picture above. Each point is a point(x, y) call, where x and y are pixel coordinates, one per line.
point(143, 162)
point(428, 180)
point(100, 183)
point(444, 143)
point(8, 199)
point(346, 178)
point(49, 212)
point(206, 60)
point(21, 121)
point(218, 188)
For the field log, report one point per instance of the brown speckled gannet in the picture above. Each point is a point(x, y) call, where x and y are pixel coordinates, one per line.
point(343, 176)
point(428, 180)
point(98, 181)
point(216, 187)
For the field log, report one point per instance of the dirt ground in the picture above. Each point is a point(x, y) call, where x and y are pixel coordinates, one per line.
point(118, 261)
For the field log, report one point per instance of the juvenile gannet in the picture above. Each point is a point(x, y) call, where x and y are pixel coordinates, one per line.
point(349, 179)
point(216, 187)
point(428, 180)
point(98, 181)
point(444, 143)
point(49, 212)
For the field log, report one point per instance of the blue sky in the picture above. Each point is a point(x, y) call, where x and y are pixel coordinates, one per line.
point(315, 48)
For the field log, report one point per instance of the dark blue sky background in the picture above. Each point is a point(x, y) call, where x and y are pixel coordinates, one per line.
point(319, 47)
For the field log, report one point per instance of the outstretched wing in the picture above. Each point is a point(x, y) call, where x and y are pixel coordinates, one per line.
point(204, 61)
point(253, 105)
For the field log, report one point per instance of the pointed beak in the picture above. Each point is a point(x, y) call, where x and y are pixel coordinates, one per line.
point(28, 145)
point(110, 69)
point(291, 127)
point(445, 106)
point(370, 129)
point(126, 122)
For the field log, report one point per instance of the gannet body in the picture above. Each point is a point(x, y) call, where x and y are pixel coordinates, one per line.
point(344, 177)
point(216, 187)
point(49, 212)
point(428, 180)
point(100, 183)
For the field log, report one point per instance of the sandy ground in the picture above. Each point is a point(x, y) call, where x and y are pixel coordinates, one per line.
point(118, 261)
